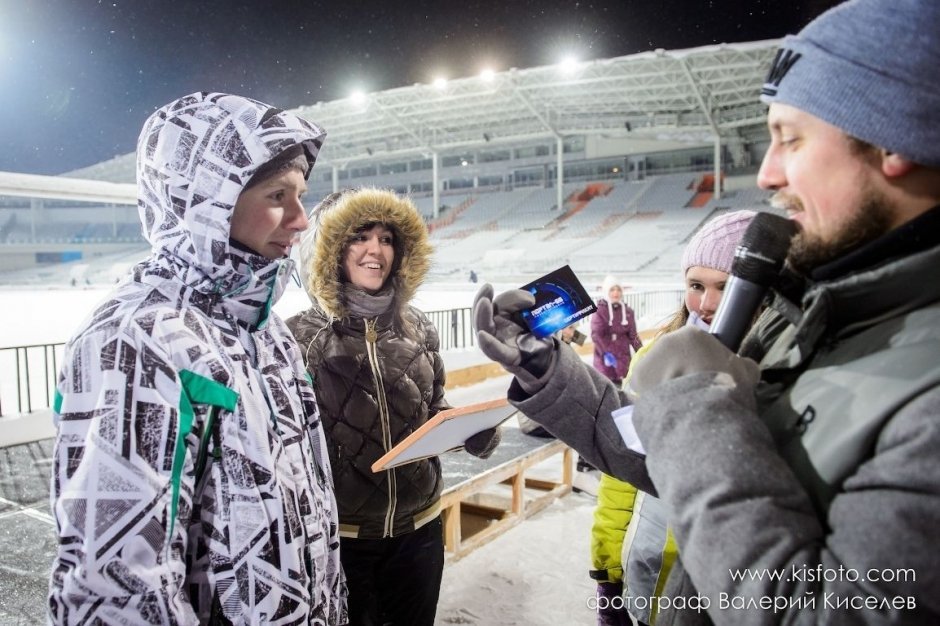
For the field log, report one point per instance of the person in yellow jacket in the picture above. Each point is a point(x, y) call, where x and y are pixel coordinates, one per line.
point(632, 549)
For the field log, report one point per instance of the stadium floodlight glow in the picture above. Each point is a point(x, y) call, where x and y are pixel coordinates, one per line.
point(568, 65)
point(440, 83)
point(358, 96)
point(487, 75)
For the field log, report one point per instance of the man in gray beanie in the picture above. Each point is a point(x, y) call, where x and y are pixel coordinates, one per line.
point(804, 488)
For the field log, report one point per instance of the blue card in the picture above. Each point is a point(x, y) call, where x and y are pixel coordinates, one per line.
point(560, 300)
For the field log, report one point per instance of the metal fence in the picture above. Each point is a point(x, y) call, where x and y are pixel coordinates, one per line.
point(27, 377)
point(454, 327)
point(654, 307)
point(28, 373)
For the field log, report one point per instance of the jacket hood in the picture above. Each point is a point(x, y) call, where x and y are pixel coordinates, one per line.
point(336, 220)
point(609, 283)
point(194, 157)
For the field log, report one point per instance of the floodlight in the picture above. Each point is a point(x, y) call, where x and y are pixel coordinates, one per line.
point(440, 83)
point(358, 96)
point(568, 65)
point(488, 75)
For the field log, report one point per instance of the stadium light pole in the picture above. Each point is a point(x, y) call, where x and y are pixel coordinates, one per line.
point(435, 184)
point(560, 172)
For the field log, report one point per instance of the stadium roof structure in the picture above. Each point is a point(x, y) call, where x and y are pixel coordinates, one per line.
point(690, 95)
point(698, 93)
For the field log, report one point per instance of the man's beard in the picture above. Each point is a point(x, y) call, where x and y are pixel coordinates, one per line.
point(872, 220)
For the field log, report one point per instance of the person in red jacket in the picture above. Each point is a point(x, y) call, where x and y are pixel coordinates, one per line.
point(613, 331)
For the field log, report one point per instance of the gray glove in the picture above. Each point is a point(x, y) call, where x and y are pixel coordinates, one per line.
point(505, 341)
point(483, 443)
point(689, 350)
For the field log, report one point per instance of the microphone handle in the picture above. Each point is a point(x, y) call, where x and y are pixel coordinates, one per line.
point(739, 303)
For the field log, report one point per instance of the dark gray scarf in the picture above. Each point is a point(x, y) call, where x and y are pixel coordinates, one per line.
point(363, 304)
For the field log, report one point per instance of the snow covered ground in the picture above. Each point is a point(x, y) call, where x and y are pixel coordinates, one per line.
point(535, 574)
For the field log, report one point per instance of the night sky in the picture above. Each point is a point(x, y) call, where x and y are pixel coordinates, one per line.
point(79, 77)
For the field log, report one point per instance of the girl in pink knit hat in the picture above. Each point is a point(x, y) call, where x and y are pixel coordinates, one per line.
point(628, 571)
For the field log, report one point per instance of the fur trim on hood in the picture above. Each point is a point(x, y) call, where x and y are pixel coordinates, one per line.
point(336, 220)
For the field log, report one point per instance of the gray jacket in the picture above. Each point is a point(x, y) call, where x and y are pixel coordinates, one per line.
point(642, 557)
point(832, 517)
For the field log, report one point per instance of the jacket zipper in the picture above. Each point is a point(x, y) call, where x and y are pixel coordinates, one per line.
point(372, 352)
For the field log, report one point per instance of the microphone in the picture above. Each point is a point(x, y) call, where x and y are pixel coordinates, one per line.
point(757, 261)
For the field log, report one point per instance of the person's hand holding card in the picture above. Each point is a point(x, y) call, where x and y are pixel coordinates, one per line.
point(559, 301)
point(503, 338)
point(545, 306)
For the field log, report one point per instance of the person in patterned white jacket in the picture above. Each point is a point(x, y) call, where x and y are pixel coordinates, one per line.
point(191, 482)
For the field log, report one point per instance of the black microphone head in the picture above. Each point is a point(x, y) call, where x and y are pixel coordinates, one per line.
point(763, 248)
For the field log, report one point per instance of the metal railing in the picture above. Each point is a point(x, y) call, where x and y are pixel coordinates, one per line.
point(28, 373)
point(454, 327)
point(655, 307)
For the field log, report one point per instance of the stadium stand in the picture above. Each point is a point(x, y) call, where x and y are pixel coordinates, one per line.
point(633, 154)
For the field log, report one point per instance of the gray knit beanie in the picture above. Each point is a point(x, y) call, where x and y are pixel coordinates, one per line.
point(870, 68)
point(714, 244)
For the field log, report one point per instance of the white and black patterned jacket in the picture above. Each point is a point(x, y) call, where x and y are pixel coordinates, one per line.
point(191, 481)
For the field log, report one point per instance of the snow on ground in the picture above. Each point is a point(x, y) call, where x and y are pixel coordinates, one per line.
point(534, 574)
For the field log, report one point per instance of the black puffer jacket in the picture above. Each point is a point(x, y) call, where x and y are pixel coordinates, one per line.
point(372, 399)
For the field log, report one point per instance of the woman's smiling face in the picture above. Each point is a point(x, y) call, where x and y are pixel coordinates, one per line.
point(369, 257)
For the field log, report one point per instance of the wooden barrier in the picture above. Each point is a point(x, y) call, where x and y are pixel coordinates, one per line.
point(482, 505)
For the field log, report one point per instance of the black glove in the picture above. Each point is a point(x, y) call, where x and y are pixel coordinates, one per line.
point(505, 341)
point(689, 350)
point(610, 605)
point(483, 443)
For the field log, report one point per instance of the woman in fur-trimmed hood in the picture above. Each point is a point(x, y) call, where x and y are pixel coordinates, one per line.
point(336, 221)
point(378, 376)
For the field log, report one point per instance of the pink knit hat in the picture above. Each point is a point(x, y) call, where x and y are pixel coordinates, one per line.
point(714, 244)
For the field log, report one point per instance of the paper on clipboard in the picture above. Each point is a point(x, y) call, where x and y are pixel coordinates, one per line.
point(445, 431)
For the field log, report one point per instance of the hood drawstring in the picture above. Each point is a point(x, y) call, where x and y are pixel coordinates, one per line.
point(610, 314)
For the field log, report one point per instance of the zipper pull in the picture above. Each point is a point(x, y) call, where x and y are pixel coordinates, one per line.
point(371, 335)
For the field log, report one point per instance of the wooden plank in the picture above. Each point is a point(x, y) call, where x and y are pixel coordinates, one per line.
point(567, 472)
point(541, 484)
point(468, 508)
point(518, 494)
point(452, 527)
point(484, 537)
point(508, 469)
point(481, 510)
point(535, 505)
